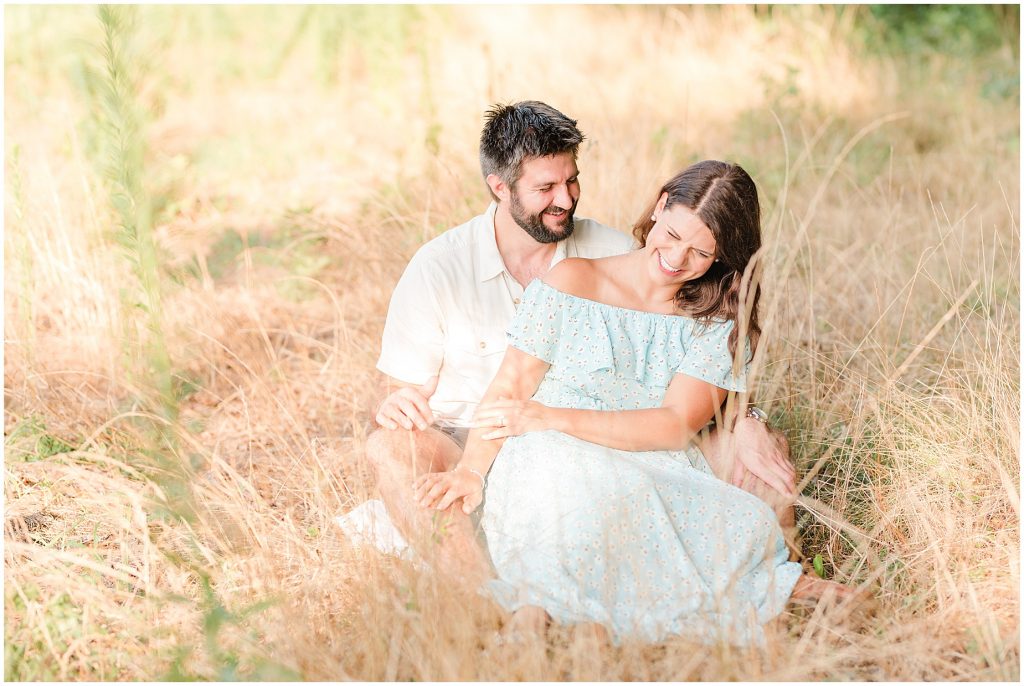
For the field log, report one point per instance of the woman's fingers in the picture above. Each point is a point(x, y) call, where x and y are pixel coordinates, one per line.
point(439, 490)
point(485, 422)
point(487, 413)
point(450, 497)
point(435, 493)
point(428, 489)
point(784, 465)
point(503, 432)
point(419, 497)
point(497, 418)
point(786, 471)
point(428, 478)
point(771, 477)
point(768, 470)
point(472, 501)
point(737, 473)
point(787, 466)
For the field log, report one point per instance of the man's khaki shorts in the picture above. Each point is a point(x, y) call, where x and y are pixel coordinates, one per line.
point(459, 434)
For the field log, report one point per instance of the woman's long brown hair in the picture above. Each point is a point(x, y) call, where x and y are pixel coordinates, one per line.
point(725, 198)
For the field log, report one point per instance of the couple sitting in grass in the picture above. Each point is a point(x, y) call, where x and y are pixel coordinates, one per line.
point(557, 376)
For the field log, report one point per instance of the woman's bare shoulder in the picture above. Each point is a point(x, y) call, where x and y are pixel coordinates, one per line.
point(581, 276)
point(571, 275)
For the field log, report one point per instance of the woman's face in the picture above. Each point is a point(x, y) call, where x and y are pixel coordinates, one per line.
point(680, 247)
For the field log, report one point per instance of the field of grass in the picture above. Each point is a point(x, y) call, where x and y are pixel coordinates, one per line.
point(206, 208)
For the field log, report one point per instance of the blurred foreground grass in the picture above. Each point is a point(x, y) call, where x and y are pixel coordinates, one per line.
point(206, 209)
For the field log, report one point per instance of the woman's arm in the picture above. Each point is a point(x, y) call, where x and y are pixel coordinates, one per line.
point(688, 406)
point(669, 427)
point(518, 378)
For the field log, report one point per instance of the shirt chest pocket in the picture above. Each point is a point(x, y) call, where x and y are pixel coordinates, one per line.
point(474, 354)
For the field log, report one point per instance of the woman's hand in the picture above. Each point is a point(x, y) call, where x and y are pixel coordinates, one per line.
point(760, 452)
point(440, 489)
point(511, 417)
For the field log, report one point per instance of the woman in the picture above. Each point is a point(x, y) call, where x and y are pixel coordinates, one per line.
point(602, 510)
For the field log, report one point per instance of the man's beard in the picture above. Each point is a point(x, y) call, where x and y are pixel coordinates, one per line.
point(533, 224)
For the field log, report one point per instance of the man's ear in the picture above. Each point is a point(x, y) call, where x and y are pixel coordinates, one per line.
point(498, 187)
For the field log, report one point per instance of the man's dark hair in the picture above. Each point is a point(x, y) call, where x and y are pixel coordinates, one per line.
point(514, 133)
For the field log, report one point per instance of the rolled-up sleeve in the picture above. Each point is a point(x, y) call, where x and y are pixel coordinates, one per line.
point(412, 346)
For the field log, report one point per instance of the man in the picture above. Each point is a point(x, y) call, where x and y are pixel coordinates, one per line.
point(444, 337)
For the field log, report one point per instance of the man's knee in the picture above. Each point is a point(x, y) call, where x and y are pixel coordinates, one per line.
point(390, 449)
point(379, 447)
point(387, 450)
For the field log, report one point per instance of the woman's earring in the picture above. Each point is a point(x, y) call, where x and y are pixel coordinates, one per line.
point(653, 218)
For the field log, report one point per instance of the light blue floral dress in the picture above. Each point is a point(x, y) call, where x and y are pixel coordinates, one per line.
point(646, 543)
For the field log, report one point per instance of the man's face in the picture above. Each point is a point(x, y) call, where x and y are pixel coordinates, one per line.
point(542, 202)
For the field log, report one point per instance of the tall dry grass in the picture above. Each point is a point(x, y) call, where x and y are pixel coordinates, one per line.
point(290, 161)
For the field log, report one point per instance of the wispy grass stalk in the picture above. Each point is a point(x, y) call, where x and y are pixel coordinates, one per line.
point(23, 253)
point(122, 121)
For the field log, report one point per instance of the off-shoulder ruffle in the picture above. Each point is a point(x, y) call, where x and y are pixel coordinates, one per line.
point(564, 329)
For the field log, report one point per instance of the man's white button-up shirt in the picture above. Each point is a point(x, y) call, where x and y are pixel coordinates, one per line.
point(450, 310)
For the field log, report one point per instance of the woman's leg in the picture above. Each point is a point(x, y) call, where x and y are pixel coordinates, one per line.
point(722, 459)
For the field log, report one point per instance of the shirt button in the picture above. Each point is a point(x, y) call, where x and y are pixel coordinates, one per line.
point(482, 344)
point(516, 301)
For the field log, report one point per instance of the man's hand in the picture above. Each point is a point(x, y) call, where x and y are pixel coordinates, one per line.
point(511, 417)
point(758, 451)
point(407, 407)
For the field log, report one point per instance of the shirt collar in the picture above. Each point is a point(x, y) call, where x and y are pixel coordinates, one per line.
point(560, 252)
point(488, 259)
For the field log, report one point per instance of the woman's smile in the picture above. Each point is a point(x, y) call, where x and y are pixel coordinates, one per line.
point(681, 245)
point(666, 266)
